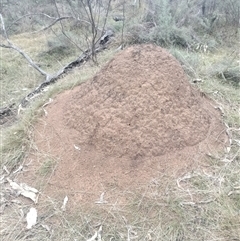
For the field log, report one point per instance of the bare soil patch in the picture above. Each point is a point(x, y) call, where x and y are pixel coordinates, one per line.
point(137, 118)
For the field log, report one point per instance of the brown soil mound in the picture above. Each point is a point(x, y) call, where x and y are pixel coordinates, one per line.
point(137, 117)
point(139, 105)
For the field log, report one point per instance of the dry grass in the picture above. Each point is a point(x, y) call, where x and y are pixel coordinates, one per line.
point(203, 204)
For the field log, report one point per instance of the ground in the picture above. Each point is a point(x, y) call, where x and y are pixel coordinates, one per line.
point(137, 119)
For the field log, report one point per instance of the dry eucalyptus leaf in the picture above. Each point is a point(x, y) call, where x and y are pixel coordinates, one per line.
point(25, 190)
point(77, 147)
point(64, 203)
point(28, 188)
point(101, 200)
point(46, 227)
point(31, 218)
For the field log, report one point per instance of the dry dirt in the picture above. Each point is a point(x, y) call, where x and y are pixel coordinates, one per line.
point(138, 118)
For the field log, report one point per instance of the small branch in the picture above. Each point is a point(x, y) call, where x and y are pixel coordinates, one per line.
point(5, 46)
point(108, 33)
point(30, 14)
point(54, 22)
point(30, 61)
point(123, 25)
point(12, 46)
point(60, 19)
point(62, 28)
point(3, 28)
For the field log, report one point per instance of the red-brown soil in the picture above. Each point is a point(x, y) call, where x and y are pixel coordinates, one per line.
point(138, 117)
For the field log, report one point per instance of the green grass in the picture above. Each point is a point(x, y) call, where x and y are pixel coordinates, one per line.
point(202, 204)
point(47, 167)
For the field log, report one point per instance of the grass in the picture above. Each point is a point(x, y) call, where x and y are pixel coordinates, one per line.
point(202, 204)
point(47, 167)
